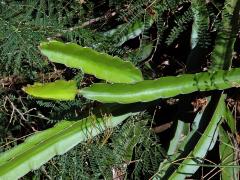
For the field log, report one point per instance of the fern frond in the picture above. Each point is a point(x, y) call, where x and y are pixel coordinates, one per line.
point(181, 25)
point(200, 28)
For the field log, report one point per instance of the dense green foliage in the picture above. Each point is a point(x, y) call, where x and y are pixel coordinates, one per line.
point(161, 38)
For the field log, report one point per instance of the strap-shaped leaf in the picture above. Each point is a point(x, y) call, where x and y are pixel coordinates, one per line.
point(58, 90)
point(228, 156)
point(41, 147)
point(178, 145)
point(190, 165)
point(126, 31)
point(227, 148)
point(230, 120)
point(101, 65)
point(165, 87)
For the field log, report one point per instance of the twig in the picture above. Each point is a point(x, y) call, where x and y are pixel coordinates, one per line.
point(14, 109)
point(91, 21)
point(87, 23)
point(162, 128)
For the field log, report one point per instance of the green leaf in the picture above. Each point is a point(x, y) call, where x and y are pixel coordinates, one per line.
point(58, 90)
point(227, 156)
point(190, 165)
point(180, 134)
point(142, 53)
point(222, 54)
point(227, 147)
point(42, 146)
point(177, 148)
point(200, 22)
point(125, 32)
point(101, 65)
point(230, 120)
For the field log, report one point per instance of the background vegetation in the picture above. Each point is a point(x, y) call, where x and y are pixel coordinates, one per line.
point(162, 38)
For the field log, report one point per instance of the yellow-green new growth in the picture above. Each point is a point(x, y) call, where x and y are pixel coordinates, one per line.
point(58, 90)
point(101, 65)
